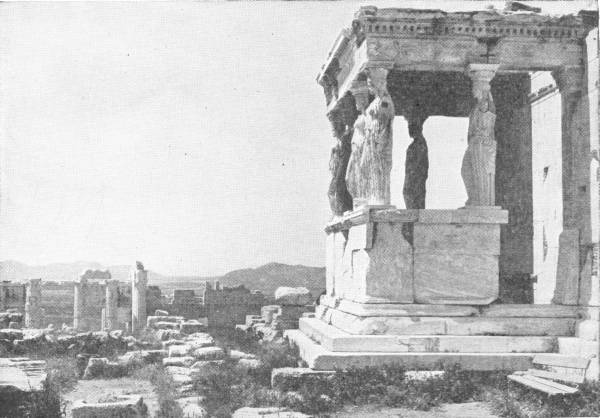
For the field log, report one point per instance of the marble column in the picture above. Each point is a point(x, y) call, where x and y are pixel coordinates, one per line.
point(33, 299)
point(139, 281)
point(375, 162)
point(479, 163)
point(78, 304)
point(110, 309)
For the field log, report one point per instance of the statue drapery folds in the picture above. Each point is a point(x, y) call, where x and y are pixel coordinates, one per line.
point(479, 163)
point(368, 174)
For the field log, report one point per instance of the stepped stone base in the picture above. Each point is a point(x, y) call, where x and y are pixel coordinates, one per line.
point(319, 358)
point(414, 319)
point(334, 339)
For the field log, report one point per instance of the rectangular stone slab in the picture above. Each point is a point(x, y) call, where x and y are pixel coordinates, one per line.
point(448, 278)
point(334, 339)
point(319, 358)
point(476, 325)
point(397, 309)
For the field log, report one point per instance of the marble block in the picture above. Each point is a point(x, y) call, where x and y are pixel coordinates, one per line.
point(379, 266)
point(387, 255)
point(457, 263)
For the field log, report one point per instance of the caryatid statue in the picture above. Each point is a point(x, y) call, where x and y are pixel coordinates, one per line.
point(371, 161)
point(417, 163)
point(354, 180)
point(479, 163)
point(340, 200)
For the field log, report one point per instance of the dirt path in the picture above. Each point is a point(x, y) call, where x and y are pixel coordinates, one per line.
point(93, 390)
point(462, 410)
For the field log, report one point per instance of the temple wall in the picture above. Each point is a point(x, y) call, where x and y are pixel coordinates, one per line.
point(514, 184)
point(584, 211)
point(547, 190)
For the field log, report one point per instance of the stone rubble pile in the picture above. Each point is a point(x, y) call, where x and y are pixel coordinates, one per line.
point(292, 304)
point(101, 367)
point(165, 322)
point(31, 339)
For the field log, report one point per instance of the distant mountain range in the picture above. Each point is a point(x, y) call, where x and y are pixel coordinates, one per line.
point(266, 278)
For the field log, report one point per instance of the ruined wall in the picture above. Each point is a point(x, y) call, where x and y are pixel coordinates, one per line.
point(93, 301)
point(12, 296)
point(57, 303)
point(226, 307)
point(185, 303)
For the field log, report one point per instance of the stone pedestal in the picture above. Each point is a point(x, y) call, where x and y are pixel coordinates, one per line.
point(387, 255)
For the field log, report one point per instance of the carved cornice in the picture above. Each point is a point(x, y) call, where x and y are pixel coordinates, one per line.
point(434, 40)
point(419, 23)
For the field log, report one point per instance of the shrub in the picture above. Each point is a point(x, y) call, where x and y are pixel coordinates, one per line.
point(165, 388)
point(62, 371)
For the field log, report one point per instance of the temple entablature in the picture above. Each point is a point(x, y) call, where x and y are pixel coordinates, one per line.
point(434, 41)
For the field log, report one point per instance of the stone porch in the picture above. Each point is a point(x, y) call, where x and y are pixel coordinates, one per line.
point(418, 286)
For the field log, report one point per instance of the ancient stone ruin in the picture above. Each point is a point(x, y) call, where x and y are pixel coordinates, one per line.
point(419, 286)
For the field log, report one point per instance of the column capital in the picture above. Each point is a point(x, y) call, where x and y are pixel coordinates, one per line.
point(377, 79)
point(360, 91)
point(481, 73)
point(569, 79)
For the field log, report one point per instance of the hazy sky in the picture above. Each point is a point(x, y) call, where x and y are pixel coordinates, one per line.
point(190, 136)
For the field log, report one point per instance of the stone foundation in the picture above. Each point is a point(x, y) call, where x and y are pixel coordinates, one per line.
point(377, 255)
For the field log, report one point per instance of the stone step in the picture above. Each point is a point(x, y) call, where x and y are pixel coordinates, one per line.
point(319, 358)
point(334, 339)
point(507, 310)
point(452, 325)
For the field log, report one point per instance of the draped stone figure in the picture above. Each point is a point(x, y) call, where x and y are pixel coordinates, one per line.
point(369, 171)
point(354, 179)
point(416, 166)
point(479, 162)
point(339, 198)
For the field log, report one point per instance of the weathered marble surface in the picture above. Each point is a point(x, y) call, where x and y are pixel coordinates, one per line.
point(371, 164)
point(296, 296)
point(566, 291)
point(335, 339)
point(475, 325)
point(444, 256)
point(319, 358)
point(479, 163)
point(381, 270)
